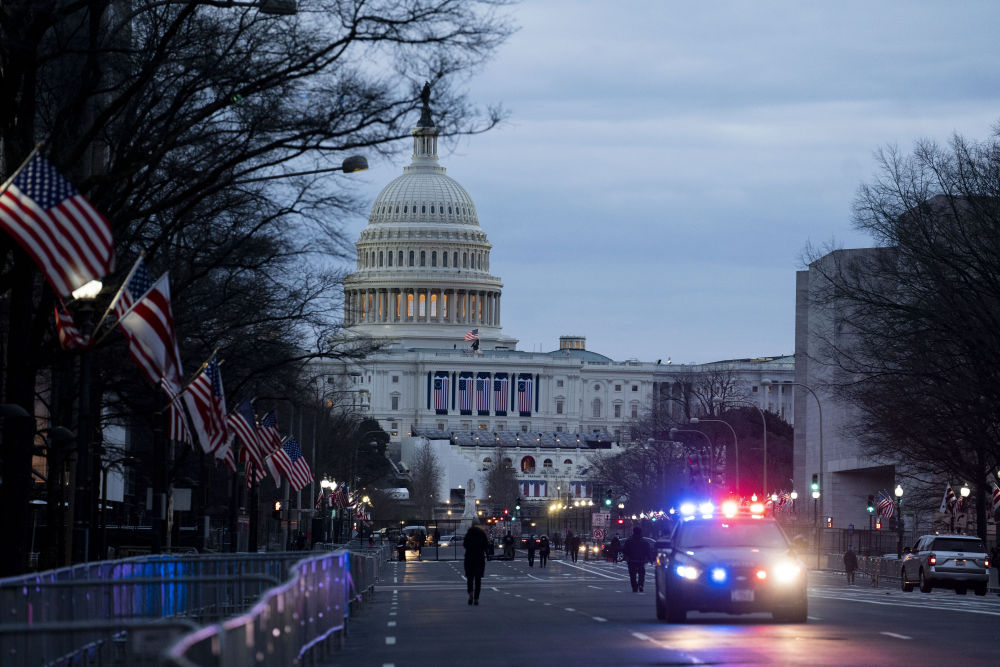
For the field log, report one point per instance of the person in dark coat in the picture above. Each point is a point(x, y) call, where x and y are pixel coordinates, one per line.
point(614, 549)
point(543, 551)
point(572, 546)
point(476, 545)
point(850, 564)
point(637, 553)
point(531, 550)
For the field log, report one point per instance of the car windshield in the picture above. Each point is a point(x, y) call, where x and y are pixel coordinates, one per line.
point(953, 544)
point(730, 534)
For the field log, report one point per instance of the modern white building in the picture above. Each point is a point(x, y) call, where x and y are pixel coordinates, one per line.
point(448, 374)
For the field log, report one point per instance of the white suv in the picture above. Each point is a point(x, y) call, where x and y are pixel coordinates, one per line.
point(959, 562)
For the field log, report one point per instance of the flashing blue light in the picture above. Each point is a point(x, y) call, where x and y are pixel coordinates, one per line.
point(687, 509)
point(706, 509)
point(718, 575)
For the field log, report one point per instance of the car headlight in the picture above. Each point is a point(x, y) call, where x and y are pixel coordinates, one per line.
point(687, 572)
point(786, 571)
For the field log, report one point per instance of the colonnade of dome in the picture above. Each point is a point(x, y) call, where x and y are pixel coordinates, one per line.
point(433, 305)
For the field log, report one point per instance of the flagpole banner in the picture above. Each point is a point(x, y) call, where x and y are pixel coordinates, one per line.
point(206, 402)
point(291, 463)
point(466, 392)
point(67, 238)
point(483, 393)
point(524, 394)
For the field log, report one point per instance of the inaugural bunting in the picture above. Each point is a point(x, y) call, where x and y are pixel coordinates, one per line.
point(501, 394)
point(441, 394)
point(68, 239)
point(465, 393)
point(524, 395)
point(483, 393)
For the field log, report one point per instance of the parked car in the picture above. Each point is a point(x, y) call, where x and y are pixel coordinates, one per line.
point(450, 541)
point(958, 562)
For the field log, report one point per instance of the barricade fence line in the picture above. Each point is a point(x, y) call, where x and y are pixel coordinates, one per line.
point(127, 611)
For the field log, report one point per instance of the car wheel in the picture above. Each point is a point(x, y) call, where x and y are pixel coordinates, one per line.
point(906, 585)
point(981, 589)
point(794, 614)
point(925, 586)
point(673, 612)
point(661, 609)
point(960, 590)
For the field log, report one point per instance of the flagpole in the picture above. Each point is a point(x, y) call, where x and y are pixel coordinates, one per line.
point(121, 288)
point(17, 172)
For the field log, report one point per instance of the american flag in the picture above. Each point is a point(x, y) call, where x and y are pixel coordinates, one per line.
point(483, 393)
point(524, 395)
point(472, 334)
point(288, 461)
point(465, 393)
point(500, 393)
point(441, 392)
point(949, 502)
point(241, 422)
point(206, 403)
point(995, 504)
point(320, 498)
point(270, 438)
point(143, 310)
point(68, 239)
point(70, 337)
point(884, 504)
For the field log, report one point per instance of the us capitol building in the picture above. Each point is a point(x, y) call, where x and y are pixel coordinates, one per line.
point(424, 287)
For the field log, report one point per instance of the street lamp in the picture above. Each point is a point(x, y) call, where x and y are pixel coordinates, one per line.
point(965, 499)
point(819, 407)
point(82, 474)
point(794, 495)
point(815, 495)
point(736, 444)
point(899, 520)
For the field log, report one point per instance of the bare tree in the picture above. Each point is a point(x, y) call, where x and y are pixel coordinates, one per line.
point(425, 480)
point(501, 482)
point(917, 319)
point(211, 135)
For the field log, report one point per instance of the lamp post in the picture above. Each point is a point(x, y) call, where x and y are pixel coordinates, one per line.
point(899, 520)
point(794, 495)
point(819, 407)
point(964, 492)
point(815, 495)
point(736, 444)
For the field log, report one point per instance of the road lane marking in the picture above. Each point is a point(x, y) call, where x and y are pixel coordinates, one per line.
point(599, 619)
point(894, 635)
point(595, 572)
point(595, 587)
point(391, 624)
point(531, 599)
point(569, 609)
point(646, 638)
point(536, 578)
point(390, 640)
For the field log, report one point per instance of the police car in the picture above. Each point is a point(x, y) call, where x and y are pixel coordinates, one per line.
point(737, 561)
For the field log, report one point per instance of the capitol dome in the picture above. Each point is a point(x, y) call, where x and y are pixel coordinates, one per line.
point(423, 270)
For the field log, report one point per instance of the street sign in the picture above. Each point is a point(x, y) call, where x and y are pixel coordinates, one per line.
point(601, 519)
point(598, 533)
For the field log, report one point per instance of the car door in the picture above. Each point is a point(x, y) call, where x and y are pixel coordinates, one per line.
point(912, 561)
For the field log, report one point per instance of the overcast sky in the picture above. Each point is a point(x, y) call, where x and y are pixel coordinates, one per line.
point(665, 163)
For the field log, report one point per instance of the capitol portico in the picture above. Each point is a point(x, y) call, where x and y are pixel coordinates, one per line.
point(446, 372)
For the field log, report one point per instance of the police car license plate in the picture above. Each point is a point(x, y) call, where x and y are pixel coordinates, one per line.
point(742, 595)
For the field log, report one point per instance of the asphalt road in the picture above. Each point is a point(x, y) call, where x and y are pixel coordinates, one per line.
point(586, 614)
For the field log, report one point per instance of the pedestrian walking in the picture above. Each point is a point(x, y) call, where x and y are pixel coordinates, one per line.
point(850, 564)
point(543, 551)
point(531, 550)
point(508, 546)
point(637, 553)
point(614, 549)
point(476, 545)
point(571, 545)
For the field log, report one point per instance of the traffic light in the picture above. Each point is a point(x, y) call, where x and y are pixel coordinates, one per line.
point(878, 525)
point(517, 504)
point(815, 483)
point(621, 519)
point(506, 512)
point(871, 505)
point(276, 511)
point(607, 499)
point(829, 522)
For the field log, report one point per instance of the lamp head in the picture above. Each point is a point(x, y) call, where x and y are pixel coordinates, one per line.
point(899, 491)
